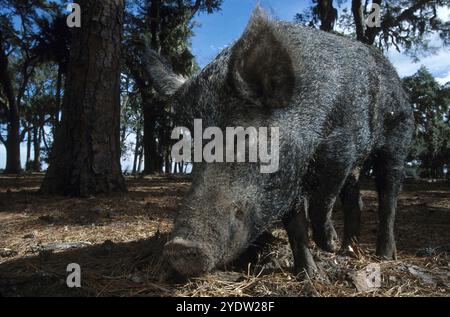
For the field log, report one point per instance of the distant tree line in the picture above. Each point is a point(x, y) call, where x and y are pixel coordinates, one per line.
point(80, 100)
point(412, 27)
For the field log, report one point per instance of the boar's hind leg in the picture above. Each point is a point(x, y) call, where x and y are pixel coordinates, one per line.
point(296, 226)
point(389, 175)
point(389, 168)
point(352, 205)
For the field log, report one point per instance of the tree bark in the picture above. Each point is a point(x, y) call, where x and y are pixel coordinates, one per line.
point(328, 15)
point(141, 154)
point(152, 161)
point(27, 162)
point(136, 151)
point(155, 24)
point(86, 156)
point(12, 143)
point(13, 165)
point(37, 147)
point(371, 33)
point(358, 17)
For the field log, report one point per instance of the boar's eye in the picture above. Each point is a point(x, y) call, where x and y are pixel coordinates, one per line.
point(239, 214)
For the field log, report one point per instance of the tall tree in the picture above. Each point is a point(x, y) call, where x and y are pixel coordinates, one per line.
point(10, 109)
point(408, 26)
point(19, 28)
point(39, 103)
point(168, 26)
point(85, 159)
point(17, 64)
point(404, 24)
point(53, 45)
point(431, 105)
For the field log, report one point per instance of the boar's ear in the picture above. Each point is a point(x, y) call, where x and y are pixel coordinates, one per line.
point(261, 69)
point(164, 80)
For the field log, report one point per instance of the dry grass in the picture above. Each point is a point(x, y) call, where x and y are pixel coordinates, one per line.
point(123, 238)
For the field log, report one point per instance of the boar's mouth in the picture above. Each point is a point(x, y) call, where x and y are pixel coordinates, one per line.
point(189, 258)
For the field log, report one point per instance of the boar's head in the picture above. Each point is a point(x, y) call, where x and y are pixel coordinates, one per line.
point(249, 84)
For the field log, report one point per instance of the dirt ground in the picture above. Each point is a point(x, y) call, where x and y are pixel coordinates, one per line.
point(118, 243)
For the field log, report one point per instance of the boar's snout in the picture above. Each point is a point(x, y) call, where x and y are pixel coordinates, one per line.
point(188, 258)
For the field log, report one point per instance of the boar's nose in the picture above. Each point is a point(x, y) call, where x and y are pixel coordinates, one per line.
point(188, 258)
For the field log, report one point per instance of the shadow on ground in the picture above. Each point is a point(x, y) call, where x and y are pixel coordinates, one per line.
point(121, 240)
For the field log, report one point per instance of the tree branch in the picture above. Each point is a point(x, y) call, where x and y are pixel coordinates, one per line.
point(194, 8)
point(407, 13)
point(388, 24)
point(5, 78)
point(24, 131)
point(44, 139)
point(3, 107)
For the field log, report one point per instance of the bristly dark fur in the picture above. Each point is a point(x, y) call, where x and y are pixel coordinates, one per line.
point(336, 102)
point(165, 81)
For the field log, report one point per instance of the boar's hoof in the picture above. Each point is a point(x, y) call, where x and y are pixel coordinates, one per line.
point(387, 253)
point(188, 258)
point(312, 272)
point(328, 242)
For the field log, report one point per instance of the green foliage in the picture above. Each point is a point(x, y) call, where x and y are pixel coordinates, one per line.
point(411, 26)
point(168, 26)
point(34, 44)
point(407, 25)
point(430, 101)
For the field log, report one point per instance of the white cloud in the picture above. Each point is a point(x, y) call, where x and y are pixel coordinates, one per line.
point(443, 13)
point(437, 64)
point(444, 79)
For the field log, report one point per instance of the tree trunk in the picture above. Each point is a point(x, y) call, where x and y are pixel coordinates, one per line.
point(86, 155)
point(328, 15)
point(151, 157)
point(141, 153)
point(37, 148)
point(358, 17)
point(167, 161)
point(155, 24)
point(364, 34)
point(27, 162)
point(12, 143)
point(136, 151)
point(372, 32)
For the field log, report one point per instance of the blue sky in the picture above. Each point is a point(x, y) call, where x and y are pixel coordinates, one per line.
point(222, 28)
point(217, 30)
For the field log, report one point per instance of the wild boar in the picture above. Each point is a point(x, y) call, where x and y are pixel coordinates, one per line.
point(335, 101)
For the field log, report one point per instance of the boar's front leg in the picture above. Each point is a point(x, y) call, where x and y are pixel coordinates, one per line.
point(296, 225)
point(327, 174)
point(352, 205)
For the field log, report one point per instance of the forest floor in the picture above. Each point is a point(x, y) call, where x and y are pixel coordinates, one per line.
point(118, 243)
